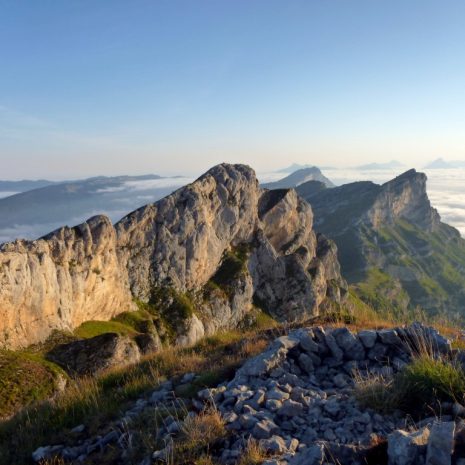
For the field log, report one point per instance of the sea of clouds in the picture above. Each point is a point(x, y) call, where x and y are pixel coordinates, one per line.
point(446, 191)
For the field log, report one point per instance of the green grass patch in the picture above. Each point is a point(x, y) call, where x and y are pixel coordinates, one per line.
point(233, 266)
point(90, 329)
point(136, 320)
point(95, 401)
point(25, 378)
point(418, 389)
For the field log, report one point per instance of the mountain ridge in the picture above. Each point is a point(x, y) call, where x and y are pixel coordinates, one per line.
point(171, 251)
point(390, 237)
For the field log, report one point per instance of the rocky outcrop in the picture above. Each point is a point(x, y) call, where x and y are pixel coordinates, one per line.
point(94, 355)
point(58, 282)
point(261, 244)
point(404, 197)
point(392, 244)
point(296, 400)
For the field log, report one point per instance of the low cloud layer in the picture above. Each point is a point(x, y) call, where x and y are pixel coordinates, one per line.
point(446, 191)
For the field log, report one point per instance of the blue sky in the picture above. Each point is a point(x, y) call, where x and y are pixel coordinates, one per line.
point(113, 87)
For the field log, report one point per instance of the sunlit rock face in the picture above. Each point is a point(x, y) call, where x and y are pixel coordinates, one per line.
point(255, 245)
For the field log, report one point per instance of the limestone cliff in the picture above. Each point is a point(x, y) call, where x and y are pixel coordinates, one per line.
point(58, 282)
point(222, 241)
point(393, 247)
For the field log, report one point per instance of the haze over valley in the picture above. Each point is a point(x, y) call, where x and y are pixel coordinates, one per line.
point(42, 209)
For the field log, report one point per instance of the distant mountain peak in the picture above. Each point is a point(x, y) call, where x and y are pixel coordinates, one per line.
point(393, 164)
point(294, 167)
point(439, 163)
point(299, 177)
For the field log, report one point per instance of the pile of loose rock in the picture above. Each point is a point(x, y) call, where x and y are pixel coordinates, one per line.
point(296, 400)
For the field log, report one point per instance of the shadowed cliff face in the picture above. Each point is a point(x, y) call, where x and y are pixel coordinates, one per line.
point(221, 226)
point(392, 244)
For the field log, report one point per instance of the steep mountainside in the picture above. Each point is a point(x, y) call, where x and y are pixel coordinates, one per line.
point(392, 245)
point(200, 258)
point(299, 177)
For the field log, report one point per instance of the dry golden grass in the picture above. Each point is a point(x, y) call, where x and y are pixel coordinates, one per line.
point(203, 429)
point(376, 392)
point(95, 401)
point(253, 455)
point(53, 461)
point(198, 437)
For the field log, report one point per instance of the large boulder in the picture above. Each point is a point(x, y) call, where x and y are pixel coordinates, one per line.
point(94, 355)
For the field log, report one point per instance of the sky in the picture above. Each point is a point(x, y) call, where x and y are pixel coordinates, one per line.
point(174, 87)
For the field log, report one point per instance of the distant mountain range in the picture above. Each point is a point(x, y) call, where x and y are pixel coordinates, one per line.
point(32, 213)
point(440, 163)
point(393, 164)
point(299, 177)
point(14, 187)
point(296, 167)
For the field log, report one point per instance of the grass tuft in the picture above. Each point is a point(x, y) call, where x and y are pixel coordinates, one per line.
point(253, 454)
point(427, 380)
point(417, 389)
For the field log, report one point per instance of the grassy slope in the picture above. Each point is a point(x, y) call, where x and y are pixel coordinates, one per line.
point(96, 401)
point(429, 267)
point(25, 378)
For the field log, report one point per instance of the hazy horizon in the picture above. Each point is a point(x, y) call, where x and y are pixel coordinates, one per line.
point(444, 187)
point(276, 173)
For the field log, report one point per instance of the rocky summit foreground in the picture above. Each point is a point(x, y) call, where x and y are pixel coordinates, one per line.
point(296, 401)
point(222, 243)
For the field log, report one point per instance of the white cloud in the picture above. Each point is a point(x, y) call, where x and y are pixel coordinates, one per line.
point(148, 184)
